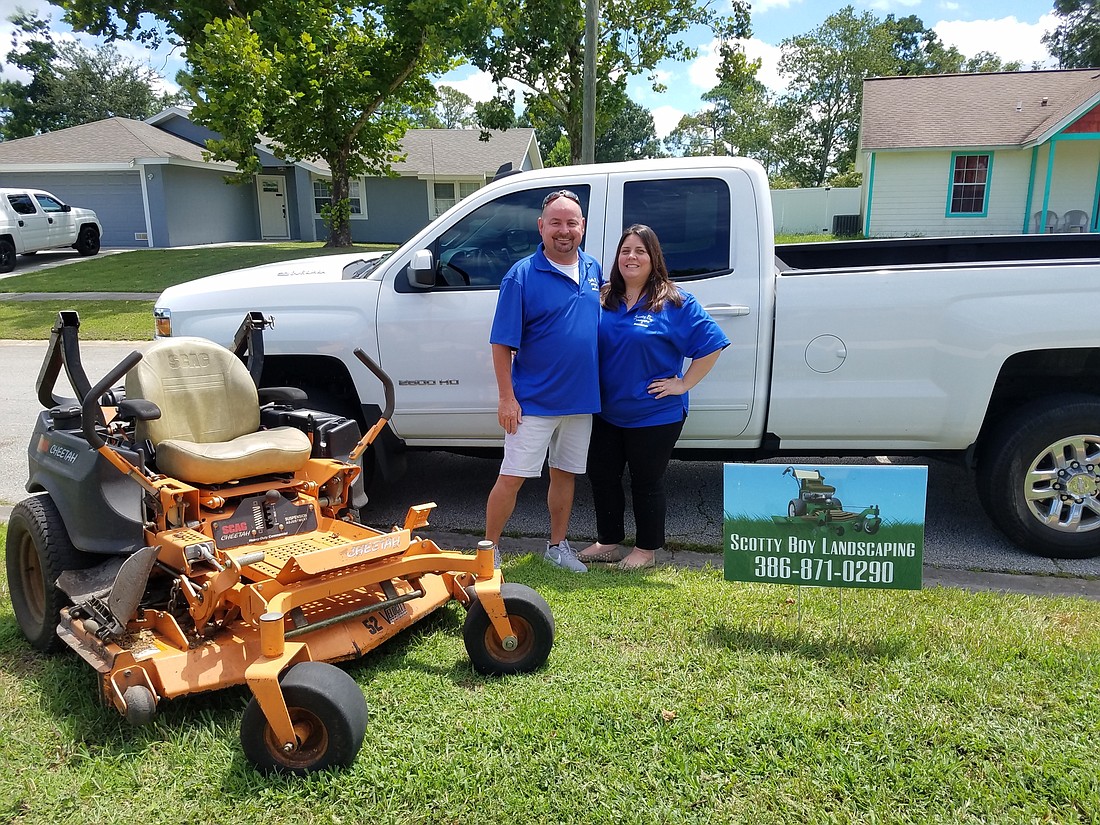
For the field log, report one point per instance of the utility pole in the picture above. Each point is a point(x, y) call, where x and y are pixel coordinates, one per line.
point(588, 112)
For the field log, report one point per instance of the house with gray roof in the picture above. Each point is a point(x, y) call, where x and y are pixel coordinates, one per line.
point(151, 184)
point(980, 154)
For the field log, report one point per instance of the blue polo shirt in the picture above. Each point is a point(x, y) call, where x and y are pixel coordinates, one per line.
point(552, 323)
point(638, 346)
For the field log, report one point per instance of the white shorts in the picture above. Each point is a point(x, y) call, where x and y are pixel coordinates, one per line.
point(564, 436)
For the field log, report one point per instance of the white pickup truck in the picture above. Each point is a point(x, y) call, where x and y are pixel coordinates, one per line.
point(986, 350)
point(32, 220)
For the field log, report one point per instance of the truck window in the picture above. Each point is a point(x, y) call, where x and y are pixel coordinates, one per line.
point(22, 204)
point(49, 204)
point(479, 249)
point(691, 217)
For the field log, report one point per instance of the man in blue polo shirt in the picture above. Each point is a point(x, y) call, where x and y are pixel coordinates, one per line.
point(547, 371)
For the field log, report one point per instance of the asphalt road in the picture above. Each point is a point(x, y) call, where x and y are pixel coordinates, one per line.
point(957, 533)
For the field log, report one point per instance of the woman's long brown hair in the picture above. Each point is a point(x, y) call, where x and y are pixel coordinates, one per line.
point(659, 288)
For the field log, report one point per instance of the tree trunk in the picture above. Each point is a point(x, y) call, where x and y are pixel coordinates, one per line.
point(340, 223)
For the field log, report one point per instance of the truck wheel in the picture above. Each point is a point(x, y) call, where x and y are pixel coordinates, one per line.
point(87, 242)
point(329, 715)
point(7, 255)
point(38, 551)
point(1038, 477)
point(532, 622)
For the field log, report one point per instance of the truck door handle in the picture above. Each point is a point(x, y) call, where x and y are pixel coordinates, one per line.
point(726, 310)
point(21, 223)
point(50, 220)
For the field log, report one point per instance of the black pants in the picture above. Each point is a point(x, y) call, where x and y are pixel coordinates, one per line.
point(646, 451)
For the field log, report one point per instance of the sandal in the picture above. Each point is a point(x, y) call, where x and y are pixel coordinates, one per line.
point(603, 552)
point(629, 563)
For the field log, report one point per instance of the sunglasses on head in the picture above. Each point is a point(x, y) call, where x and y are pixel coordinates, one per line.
point(561, 193)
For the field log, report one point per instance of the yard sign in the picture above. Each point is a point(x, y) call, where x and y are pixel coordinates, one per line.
point(825, 525)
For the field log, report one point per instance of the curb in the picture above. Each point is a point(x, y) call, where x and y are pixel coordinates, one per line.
point(974, 581)
point(79, 296)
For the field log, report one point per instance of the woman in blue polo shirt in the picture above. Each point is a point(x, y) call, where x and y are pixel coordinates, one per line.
point(648, 326)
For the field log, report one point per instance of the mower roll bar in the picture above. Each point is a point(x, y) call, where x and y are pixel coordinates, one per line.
point(90, 405)
point(63, 350)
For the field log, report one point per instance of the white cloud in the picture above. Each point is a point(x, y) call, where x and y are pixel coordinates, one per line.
point(703, 72)
point(766, 5)
point(1007, 37)
point(665, 119)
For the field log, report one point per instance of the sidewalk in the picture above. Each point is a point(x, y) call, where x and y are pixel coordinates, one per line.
point(79, 296)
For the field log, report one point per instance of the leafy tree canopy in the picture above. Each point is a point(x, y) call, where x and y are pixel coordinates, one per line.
point(313, 78)
point(540, 45)
point(70, 84)
point(1075, 43)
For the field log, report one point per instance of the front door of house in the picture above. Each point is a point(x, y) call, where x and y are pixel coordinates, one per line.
point(274, 221)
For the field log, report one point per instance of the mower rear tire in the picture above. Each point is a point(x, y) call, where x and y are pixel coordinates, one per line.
point(329, 715)
point(532, 622)
point(38, 551)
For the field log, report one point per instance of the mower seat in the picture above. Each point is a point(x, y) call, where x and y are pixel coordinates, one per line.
point(209, 428)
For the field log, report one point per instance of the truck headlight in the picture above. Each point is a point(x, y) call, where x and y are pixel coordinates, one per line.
point(162, 321)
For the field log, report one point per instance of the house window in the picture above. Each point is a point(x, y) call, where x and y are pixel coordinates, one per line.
point(444, 194)
point(322, 195)
point(969, 193)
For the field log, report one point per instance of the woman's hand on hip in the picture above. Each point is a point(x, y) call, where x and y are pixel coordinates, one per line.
point(663, 387)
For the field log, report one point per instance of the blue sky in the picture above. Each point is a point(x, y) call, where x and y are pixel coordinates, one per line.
point(1011, 28)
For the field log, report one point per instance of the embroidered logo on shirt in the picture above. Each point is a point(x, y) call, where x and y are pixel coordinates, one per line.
point(643, 320)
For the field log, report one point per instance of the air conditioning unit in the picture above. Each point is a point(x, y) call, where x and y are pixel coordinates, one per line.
point(846, 225)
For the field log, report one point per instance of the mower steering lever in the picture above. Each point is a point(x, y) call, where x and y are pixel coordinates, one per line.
point(89, 406)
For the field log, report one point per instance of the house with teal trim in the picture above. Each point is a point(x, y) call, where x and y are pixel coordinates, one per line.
point(981, 154)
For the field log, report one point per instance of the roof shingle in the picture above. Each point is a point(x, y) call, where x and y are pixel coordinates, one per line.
point(973, 110)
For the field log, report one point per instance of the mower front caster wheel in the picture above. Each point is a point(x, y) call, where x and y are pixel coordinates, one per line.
point(533, 626)
point(329, 715)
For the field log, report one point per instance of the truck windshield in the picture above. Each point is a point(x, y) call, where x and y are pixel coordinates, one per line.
point(480, 248)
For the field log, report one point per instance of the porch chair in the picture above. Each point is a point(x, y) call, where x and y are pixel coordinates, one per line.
point(1076, 220)
point(1051, 224)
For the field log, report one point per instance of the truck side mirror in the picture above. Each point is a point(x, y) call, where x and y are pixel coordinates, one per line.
point(66, 208)
point(422, 270)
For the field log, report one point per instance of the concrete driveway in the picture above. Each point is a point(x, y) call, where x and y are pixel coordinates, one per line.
point(50, 258)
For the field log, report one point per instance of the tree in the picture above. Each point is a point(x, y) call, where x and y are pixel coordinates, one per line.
point(1075, 42)
point(71, 84)
point(625, 131)
point(827, 67)
point(450, 109)
point(540, 45)
point(917, 50)
point(313, 78)
point(739, 119)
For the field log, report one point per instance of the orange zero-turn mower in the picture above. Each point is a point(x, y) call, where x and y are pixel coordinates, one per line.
point(179, 546)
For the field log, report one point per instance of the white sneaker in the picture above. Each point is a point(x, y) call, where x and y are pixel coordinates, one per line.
point(563, 555)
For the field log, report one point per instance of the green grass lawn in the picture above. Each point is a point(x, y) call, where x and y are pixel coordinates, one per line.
point(152, 270)
point(671, 697)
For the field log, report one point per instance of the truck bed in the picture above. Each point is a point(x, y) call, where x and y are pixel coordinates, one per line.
point(962, 249)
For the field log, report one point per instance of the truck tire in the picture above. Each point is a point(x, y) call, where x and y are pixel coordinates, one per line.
point(7, 255)
point(1038, 476)
point(87, 242)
